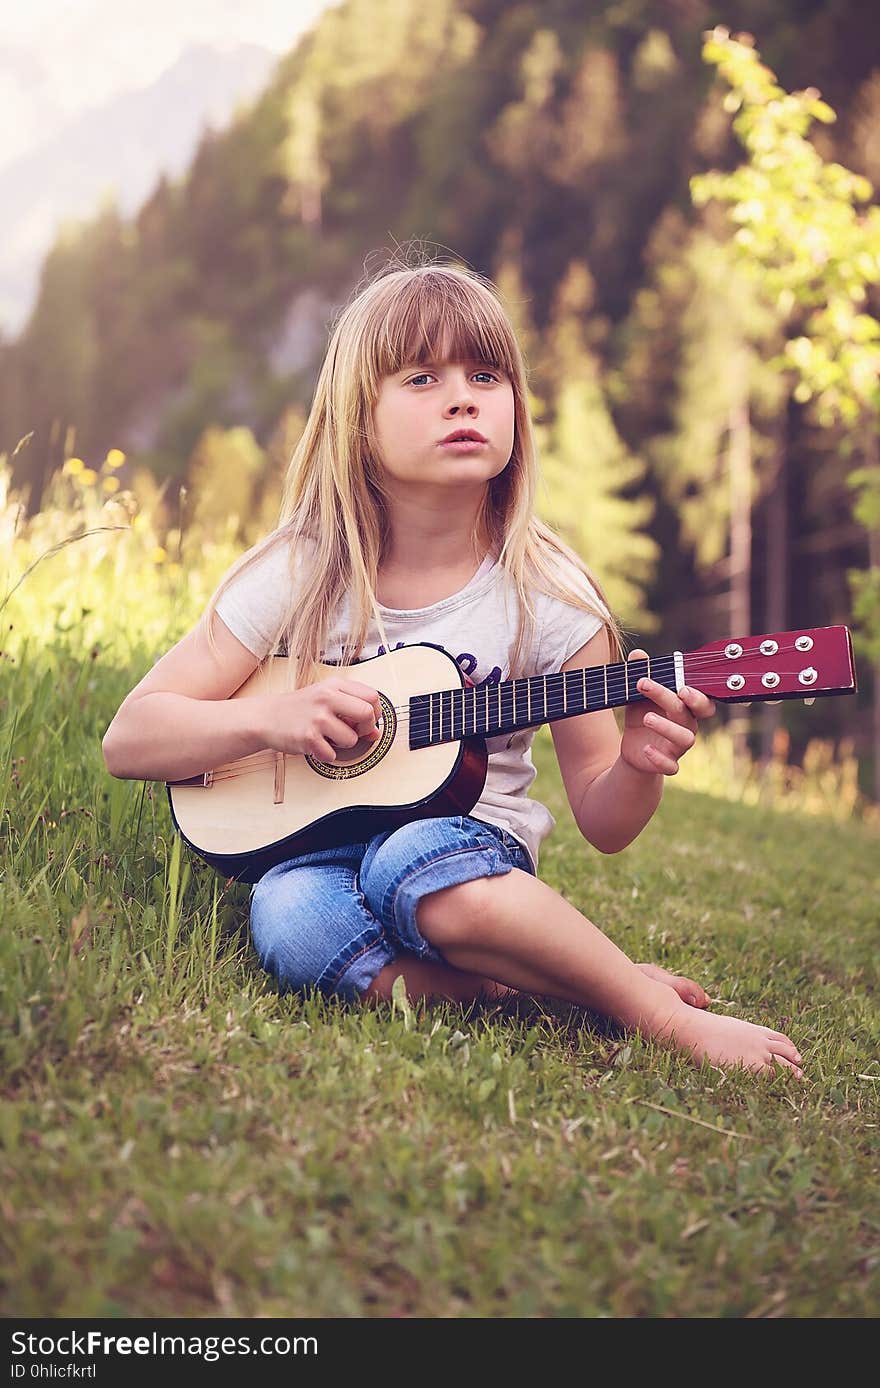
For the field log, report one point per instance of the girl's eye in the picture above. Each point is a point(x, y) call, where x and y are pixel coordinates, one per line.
point(423, 374)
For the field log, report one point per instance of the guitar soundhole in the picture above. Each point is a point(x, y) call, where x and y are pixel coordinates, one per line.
point(365, 754)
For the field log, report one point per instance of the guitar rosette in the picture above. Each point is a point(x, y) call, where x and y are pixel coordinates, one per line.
point(365, 754)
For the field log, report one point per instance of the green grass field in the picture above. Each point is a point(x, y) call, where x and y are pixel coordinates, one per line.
point(178, 1140)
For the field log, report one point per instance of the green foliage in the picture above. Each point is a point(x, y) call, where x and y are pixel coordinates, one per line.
point(809, 245)
point(724, 331)
point(225, 471)
point(592, 480)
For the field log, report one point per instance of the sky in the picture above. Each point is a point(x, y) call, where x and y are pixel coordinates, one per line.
point(58, 58)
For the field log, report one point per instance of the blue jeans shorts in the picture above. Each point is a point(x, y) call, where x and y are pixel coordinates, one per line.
point(332, 919)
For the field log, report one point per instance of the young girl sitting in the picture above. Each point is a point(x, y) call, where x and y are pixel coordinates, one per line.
point(407, 517)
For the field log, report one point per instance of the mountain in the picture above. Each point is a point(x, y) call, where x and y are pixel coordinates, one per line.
point(116, 150)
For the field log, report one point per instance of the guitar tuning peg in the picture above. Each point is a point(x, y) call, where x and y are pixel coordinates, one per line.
point(809, 702)
point(771, 702)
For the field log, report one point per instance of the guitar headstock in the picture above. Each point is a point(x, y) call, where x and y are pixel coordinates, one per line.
point(803, 664)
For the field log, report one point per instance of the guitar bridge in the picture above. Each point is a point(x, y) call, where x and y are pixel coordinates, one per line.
point(205, 778)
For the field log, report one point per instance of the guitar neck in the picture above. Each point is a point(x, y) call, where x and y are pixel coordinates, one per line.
point(488, 710)
point(783, 665)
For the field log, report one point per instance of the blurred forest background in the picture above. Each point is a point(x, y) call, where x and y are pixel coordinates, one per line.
point(718, 481)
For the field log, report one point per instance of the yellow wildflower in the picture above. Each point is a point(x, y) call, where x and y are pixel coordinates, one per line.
point(88, 476)
point(111, 484)
point(115, 458)
point(159, 555)
point(73, 466)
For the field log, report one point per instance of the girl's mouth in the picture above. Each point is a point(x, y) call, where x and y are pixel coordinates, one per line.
point(463, 445)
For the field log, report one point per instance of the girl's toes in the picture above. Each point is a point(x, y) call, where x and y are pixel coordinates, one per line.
point(789, 1065)
point(689, 991)
point(788, 1059)
point(780, 1045)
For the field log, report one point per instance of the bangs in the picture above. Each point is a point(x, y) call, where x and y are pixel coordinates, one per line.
point(438, 318)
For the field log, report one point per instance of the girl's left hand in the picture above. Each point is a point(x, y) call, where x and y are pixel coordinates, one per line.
point(657, 734)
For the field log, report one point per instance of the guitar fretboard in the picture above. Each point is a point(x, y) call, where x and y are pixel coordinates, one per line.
point(488, 710)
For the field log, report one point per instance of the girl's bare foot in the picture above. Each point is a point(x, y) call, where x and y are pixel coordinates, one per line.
point(730, 1041)
point(687, 990)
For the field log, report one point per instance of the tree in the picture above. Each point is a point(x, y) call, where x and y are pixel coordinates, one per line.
point(594, 497)
point(713, 464)
point(813, 254)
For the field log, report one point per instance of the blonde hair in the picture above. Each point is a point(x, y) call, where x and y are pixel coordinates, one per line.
point(334, 519)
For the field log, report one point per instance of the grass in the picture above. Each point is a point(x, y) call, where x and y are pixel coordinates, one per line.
point(178, 1139)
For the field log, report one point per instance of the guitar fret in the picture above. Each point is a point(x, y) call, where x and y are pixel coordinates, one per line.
point(473, 711)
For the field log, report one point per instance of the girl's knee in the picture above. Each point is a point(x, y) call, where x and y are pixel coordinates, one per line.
point(312, 938)
point(283, 947)
point(446, 917)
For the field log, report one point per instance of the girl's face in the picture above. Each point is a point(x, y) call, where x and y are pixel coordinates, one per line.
point(420, 406)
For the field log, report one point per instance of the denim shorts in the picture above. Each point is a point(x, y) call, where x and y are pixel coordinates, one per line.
point(333, 918)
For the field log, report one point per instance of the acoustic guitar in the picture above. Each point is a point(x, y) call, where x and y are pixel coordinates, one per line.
point(430, 759)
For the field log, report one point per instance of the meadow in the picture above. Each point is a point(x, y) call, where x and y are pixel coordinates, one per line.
point(178, 1139)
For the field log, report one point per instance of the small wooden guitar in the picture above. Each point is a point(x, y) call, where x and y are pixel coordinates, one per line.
point(431, 759)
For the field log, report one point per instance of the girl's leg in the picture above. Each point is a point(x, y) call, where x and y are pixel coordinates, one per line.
point(311, 927)
point(515, 928)
point(426, 978)
point(399, 866)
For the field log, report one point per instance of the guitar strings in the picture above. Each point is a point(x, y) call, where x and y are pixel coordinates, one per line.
point(557, 703)
point(616, 672)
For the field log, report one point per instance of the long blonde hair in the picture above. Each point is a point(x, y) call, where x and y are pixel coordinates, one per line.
point(334, 519)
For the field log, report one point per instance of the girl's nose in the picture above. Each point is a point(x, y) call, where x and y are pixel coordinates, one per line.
point(461, 399)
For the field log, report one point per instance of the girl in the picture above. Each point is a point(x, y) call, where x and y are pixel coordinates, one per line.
point(407, 516)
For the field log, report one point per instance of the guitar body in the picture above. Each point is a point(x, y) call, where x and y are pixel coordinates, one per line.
point(245, 817)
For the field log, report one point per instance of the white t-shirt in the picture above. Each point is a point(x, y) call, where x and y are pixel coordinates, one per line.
point(476, 626)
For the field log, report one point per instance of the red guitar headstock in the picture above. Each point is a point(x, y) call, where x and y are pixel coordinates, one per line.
point(783, 665)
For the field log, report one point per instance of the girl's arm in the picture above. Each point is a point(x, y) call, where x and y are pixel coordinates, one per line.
point(179, 720)
point(610, 802)
point(614, 784)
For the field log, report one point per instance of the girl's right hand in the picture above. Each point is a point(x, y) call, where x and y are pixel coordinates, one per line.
point(315, 721)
